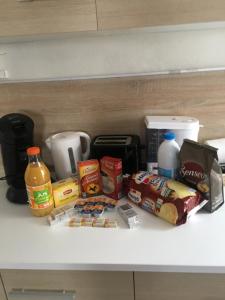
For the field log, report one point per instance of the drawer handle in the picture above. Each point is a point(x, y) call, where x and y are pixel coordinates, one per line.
point(42, 294)
point(25, 0)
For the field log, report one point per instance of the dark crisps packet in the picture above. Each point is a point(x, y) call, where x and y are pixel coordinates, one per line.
point(200, 168)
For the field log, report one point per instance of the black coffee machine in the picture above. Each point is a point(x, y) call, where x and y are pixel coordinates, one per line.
point(16, 135)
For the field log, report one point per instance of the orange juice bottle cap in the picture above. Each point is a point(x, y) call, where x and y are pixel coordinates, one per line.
point(33, 150)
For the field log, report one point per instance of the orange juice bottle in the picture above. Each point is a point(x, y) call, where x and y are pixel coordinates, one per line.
point(38, 184)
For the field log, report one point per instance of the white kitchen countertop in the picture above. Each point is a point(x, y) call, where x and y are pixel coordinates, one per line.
point(28, 242)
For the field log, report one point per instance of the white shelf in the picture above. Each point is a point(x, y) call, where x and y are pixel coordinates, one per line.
point(145, 51)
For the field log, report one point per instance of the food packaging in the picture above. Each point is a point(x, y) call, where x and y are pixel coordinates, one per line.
point(90, 178)
point(65, 191)
point(129, 215)
point(92, 222)
point(200, 169)
point(95, 206)
point(183, 127)
point(112, 177)
point(164, 197)
point(59, 215)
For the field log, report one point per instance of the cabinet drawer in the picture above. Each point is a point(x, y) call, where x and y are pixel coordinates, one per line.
point(140, 13)
point(19, 17)
point(176, 286)
point(88, 285)
point(2, 292)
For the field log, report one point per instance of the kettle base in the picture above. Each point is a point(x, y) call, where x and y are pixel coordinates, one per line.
point(18, 196)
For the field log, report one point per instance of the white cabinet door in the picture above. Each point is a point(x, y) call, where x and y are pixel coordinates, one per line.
point(2, 292)
point(179, 286)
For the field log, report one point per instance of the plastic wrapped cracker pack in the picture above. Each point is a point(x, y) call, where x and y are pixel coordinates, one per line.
point(166, 198)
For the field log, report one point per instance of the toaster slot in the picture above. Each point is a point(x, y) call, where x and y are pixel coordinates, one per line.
point(113, 140)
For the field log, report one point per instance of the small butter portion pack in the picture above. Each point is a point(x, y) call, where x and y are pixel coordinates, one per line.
point(92, 222)
point(65, 191)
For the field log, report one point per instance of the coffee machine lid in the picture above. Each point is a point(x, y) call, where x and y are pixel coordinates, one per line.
point(15, 126)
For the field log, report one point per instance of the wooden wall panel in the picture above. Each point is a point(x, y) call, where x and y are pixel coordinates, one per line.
point(102, 106)
point(139, 13)
point(19, 18)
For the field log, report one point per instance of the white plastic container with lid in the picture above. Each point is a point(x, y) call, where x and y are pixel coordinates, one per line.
point(183, 126)
point(168, 156)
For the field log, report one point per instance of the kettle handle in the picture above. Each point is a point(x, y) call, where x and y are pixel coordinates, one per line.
point(88, 143)
point(48, 142)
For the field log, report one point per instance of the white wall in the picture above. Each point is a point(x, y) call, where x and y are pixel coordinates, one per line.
point(131, 52)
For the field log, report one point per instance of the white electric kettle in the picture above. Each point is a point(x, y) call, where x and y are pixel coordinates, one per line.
point(66, 151)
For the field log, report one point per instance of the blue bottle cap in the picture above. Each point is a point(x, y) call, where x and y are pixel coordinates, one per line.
point(169, 136)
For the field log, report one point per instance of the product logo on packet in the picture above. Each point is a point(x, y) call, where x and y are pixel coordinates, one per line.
point(149, 204)
point(158, 183)
point(134, 196)
point(67, 192)
point(108, 164)
point(192, 171)
point(142, 177)
point(90, 178)
point(86, 170)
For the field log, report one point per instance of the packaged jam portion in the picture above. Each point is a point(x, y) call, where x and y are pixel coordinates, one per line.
point(90, 178)
point(111, 171)
point(94, 206)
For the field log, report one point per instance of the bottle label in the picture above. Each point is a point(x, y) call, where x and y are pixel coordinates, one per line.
point(40, 196)
point(170, 173)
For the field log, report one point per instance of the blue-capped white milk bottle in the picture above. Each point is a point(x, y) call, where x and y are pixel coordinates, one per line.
point(168, 156)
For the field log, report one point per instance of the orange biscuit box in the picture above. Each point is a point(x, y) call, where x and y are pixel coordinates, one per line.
point(90, 179)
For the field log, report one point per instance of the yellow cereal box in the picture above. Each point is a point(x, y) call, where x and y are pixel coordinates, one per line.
point(65, 191)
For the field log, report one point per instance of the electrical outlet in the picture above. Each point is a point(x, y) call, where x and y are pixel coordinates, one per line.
point(3, 74)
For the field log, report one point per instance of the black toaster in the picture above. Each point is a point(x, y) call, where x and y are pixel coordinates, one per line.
point(126, 147)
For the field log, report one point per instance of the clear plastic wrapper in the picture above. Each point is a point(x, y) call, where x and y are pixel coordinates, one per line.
point(61, 214)
point(91, 222)
point(129, 215)
point(168, 199)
